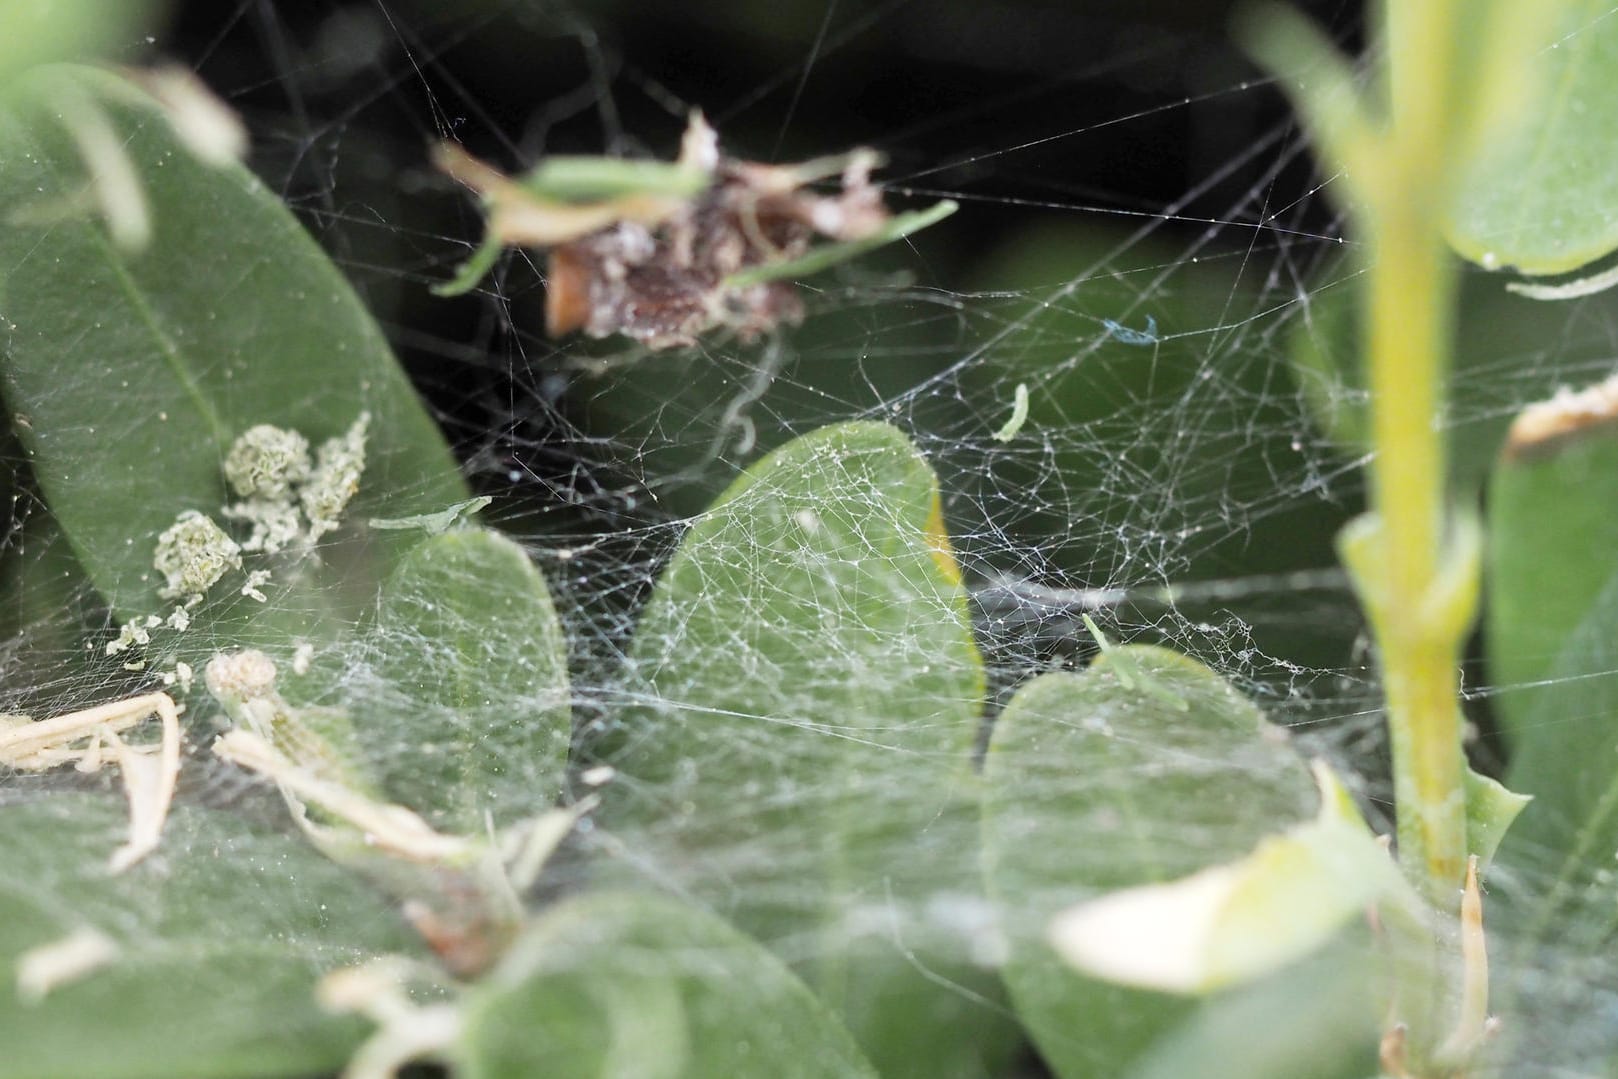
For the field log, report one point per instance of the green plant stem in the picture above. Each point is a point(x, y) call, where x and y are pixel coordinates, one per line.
point(1412, 296)
point(1411, 292)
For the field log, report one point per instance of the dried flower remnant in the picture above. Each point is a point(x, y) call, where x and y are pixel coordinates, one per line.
point(62, 962)
point(192, 554)
point(205, 125)
point(286, 498)
point(663, 253)
point(335, 478)
point(82, 739)
point(135, 633)
point(406, 1032)
point(267, 462)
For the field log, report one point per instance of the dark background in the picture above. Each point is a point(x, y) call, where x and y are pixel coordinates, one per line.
point(1018, 109)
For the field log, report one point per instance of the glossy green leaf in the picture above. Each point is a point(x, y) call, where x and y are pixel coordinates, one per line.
point(1542, 194)
point(1092, 787)
point(471, 701)
point(53, 30)
point(1315, 1020)
point(797, 746)
point(1556, 910)
point(134, 371)
point(636, 985)
point(219, 939)
point(1563, 749)
point(1553, 546)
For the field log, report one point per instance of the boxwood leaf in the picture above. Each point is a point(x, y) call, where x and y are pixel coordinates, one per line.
point(797, 745)
point(1552, 649)
point(62, 30)
point(216, 942)
point(470, 691)
point(135, 370)
point(623, 984)
point(1562, 757)
point(1553, 543)
point(1542, 193)
point(1555, 882)
point(1315, 1020)
point(1092, 786)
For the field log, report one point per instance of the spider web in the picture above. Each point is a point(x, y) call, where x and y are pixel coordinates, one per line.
point(1143, 244)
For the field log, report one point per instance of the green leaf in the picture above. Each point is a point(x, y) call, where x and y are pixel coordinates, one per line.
point(1093, 787)
point(797, 743)
point(220, 937)
point(1552, 647)
point(635, 985)
point(46, 604)
point(38, 33)
point(470, 701)
point(1542, 194)
point(1315, 1020)
point(1559, 912)
point(229, 318)
point(1562, 756)
point(1553, 546)
point(1490, 810)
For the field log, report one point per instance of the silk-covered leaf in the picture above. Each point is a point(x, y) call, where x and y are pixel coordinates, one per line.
point(638, 985)
point(206, 953)
point(1233, 923)
point(1553, 543)
point(1315, 1020)
point(1094, 785)
point(797, 744)
point(470, 693)
point(133, 371)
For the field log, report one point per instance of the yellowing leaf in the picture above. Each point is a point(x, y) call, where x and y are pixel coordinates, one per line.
point(1231, 923)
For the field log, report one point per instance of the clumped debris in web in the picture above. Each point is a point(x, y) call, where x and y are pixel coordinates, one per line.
point(286, 497)
point(269, 469)
point(665, 252)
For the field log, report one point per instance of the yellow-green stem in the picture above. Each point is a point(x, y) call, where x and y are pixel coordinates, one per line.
point(1411, 285)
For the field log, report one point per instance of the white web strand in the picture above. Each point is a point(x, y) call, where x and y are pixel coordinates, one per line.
point(1151, 464)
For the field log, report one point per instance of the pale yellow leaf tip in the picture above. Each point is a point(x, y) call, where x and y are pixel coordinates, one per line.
point(1235, 922)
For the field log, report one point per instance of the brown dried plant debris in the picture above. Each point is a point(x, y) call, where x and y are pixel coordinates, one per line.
point(666, 252)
